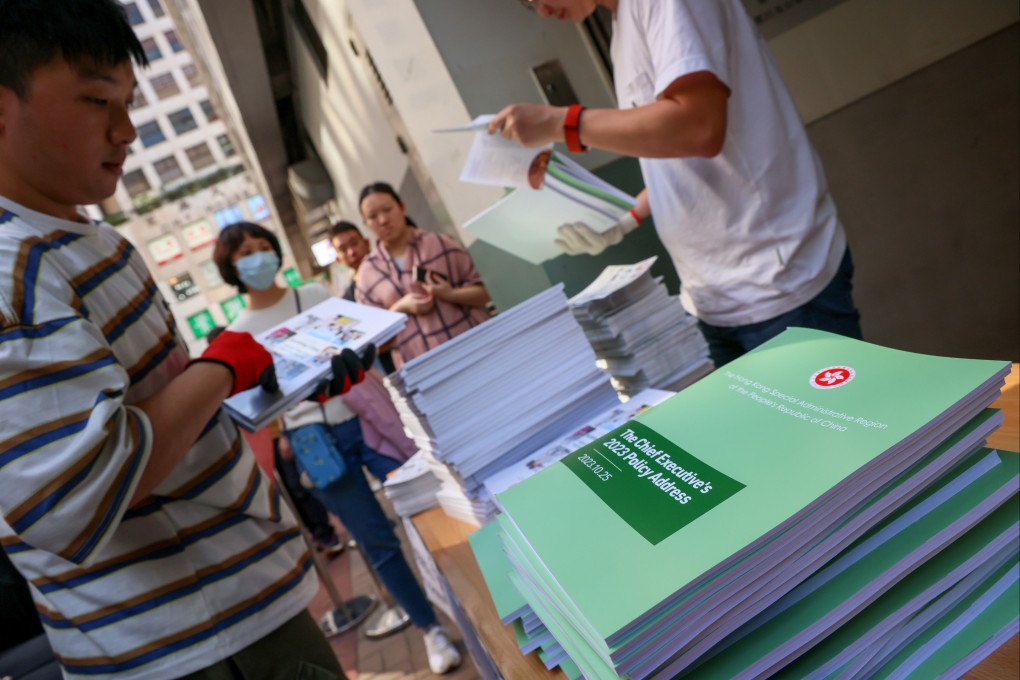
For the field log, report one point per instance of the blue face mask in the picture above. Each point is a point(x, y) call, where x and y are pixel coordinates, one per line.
point(258, 269)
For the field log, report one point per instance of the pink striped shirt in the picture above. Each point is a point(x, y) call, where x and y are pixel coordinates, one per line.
point(381, 282)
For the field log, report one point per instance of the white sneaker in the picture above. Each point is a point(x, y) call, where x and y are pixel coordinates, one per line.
point(443, 656)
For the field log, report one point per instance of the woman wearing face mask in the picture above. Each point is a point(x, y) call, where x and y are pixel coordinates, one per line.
point(249, 257)
point(446, 299)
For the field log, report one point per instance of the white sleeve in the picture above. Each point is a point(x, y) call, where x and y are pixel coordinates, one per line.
point(687, 36)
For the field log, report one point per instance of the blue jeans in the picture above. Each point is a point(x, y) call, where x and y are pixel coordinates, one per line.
point(351, 499)
point(831, 310)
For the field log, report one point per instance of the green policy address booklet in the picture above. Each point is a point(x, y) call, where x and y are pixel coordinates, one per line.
point(625, 522)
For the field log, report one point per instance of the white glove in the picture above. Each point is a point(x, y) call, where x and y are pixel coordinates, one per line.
point(578, 238)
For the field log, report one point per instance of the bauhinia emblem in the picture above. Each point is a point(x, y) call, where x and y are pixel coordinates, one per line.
point(834, 376)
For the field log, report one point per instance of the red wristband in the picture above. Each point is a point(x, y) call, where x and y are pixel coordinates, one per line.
point(637, 218)
point(572, 129)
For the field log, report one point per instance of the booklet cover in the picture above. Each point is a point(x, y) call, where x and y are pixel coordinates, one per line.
point(302, 348)
point(668, 497)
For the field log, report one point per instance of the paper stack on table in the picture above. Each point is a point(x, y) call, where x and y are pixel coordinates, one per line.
point(598, 425)
point(302, 348)
point(497, 393)
point(641, 334)
point(741, 523)
point(412, 487)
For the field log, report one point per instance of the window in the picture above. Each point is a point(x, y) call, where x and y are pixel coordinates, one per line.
point(226, 145)
point(136, 183)
point(168, 169)
point(183, 121)
point(139, 100)
point(257, 207)
point(133, 15)
point(175, 42)
point(228, 216)
point(157, 8)
point(152, 52)
point(165, 85)
point(209, 111)
point(200, 156)
point(150, 133)
point(191, 73)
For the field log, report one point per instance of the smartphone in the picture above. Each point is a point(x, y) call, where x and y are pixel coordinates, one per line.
point(421, 274)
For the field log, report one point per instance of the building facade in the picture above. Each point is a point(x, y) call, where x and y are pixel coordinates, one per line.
point(185, 178)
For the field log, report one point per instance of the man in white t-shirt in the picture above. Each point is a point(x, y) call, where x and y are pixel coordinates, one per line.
point(739, 197)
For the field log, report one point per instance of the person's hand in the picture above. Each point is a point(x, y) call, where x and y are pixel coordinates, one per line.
point(414, 303)
point(438, 286)
point(578, 238)
point(248, 361)
point(284, 449)
point(348, 370)
point(529, 124)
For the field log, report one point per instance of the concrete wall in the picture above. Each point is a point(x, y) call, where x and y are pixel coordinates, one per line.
point(925, 174)
point(342, 114)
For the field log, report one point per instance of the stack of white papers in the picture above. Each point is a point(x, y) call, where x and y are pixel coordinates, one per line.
point(497, 393)
point(736, 525)
point(596, 426)
point(302, 348)
point(641, 334)
point(412, 487)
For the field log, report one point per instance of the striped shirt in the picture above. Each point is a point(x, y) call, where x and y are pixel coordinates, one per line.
point(382, 281)
point(205, 566)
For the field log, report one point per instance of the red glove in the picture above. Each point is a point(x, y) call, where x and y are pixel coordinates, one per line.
point(348, 370)
point(248, 361)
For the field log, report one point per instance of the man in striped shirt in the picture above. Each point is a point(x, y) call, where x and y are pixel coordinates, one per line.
point(153, 546)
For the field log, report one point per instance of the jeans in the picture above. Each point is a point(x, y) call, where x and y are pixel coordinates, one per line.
point(831, 310)
point(351, 499)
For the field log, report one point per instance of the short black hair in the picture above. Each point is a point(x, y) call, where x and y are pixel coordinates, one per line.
point(230, 239)
point(83, 32)
point(342, 227)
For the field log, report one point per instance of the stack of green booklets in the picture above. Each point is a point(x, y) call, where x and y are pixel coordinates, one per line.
point(814, 488)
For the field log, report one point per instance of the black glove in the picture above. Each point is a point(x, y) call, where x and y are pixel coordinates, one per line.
point(348, 370)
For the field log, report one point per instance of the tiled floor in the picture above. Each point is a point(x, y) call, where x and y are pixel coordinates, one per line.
point(397, 657)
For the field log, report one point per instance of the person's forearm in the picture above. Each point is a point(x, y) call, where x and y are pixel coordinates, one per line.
point(662, 129)
point(687, 120)
point(469, 296)
point(641, 207)
point(177, 415)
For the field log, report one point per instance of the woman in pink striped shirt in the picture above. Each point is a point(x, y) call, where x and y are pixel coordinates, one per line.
point(428, 276)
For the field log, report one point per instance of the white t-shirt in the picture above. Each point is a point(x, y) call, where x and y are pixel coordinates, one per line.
point(753, 232)
point(256, 321)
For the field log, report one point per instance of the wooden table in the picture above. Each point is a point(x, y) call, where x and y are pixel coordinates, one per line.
point(446, 539)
